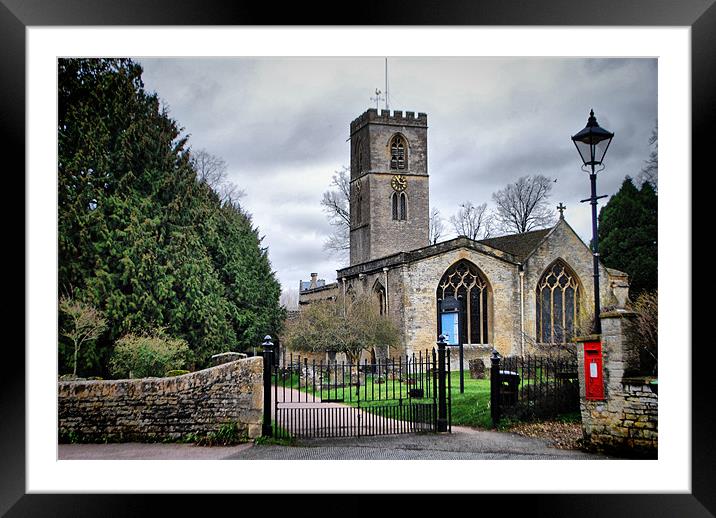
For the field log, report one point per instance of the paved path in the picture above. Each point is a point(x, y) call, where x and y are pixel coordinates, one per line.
point(305, 415)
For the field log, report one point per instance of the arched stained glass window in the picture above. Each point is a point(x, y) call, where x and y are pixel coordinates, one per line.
point(398, 153)
point(403, 212)
point(557, 304)
point(464, 281)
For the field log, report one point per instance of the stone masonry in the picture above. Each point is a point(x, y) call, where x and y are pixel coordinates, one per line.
point(374, 233)
point(164, 408)
point(626, 421)
point(393, 258)
point(411, 279)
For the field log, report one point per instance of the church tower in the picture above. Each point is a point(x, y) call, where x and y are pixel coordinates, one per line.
point(389, 184)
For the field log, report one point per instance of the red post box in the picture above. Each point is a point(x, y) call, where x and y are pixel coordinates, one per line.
point(593, 380)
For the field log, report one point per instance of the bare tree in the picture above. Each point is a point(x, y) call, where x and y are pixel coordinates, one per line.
point(336, 204)
point(473, 221)
point(85, 324)
point(289, 298)
point(650, 171)
point(523, 206)
point(211, 170)
point(436, 227)
point(644, 331)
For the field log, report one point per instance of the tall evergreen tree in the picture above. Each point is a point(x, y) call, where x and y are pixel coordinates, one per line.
point(139, 236)
point(628, 235)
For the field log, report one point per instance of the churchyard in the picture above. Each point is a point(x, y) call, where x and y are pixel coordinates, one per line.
point(166, 288)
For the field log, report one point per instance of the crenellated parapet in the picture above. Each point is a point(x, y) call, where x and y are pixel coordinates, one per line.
point(395, 118)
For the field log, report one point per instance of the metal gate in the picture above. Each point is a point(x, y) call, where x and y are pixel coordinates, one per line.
point(337, 399)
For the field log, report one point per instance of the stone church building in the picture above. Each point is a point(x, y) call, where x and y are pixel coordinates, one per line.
point(517, 293)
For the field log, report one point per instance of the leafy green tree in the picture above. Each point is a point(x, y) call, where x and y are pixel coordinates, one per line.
point(141, 237)
point(349, 327)
point(628, 235)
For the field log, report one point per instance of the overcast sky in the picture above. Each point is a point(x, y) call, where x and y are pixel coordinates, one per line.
point(282, 124)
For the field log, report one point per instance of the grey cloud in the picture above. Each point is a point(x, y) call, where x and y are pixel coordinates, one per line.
point(281, 124)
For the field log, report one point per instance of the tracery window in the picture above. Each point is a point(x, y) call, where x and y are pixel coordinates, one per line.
point(557, 304)
point(399, 206)
point(464, 281)
point(398, 154)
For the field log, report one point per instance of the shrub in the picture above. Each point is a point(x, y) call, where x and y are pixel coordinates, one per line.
point(141, 356)
point(227, 435)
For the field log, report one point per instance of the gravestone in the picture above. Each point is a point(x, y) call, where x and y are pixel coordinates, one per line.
point(477, 369)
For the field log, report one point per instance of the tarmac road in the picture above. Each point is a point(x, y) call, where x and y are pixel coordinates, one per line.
point(462, 443)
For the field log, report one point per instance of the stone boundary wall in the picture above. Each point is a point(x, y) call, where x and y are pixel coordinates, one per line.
point(164, 408)
point(626, 421)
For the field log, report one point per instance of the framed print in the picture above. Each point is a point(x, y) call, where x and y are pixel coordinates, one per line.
point(33, 34)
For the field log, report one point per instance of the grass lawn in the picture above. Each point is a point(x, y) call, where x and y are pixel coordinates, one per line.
point(472, 408)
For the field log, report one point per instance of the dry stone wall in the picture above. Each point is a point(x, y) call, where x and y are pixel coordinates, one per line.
point(164, 408)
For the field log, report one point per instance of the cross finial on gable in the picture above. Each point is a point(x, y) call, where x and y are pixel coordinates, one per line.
point(561, 208)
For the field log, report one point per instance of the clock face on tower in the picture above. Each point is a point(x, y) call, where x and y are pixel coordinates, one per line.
point(399, 182)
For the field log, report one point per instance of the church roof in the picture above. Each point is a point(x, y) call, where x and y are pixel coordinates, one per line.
point(513, 248)
point(519, 245)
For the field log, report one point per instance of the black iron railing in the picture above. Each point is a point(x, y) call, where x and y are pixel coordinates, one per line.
point(317, 398)
point(533, 387)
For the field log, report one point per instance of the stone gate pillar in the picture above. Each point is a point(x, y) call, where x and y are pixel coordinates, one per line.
point(625, 422)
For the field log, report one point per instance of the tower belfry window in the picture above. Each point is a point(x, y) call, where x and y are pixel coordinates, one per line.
point(398, 159)
point(399, 206)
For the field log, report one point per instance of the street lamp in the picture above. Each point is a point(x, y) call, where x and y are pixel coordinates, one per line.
point(592, 144)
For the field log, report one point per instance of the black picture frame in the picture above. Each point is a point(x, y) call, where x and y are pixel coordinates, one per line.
point(699, 15)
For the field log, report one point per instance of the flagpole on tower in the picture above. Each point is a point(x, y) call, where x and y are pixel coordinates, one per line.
point(386, 85)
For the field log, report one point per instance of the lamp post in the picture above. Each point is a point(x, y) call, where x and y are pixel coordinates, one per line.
point(592, 144)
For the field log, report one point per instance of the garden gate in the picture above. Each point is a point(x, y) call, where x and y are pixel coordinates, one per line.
point(339, 399)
